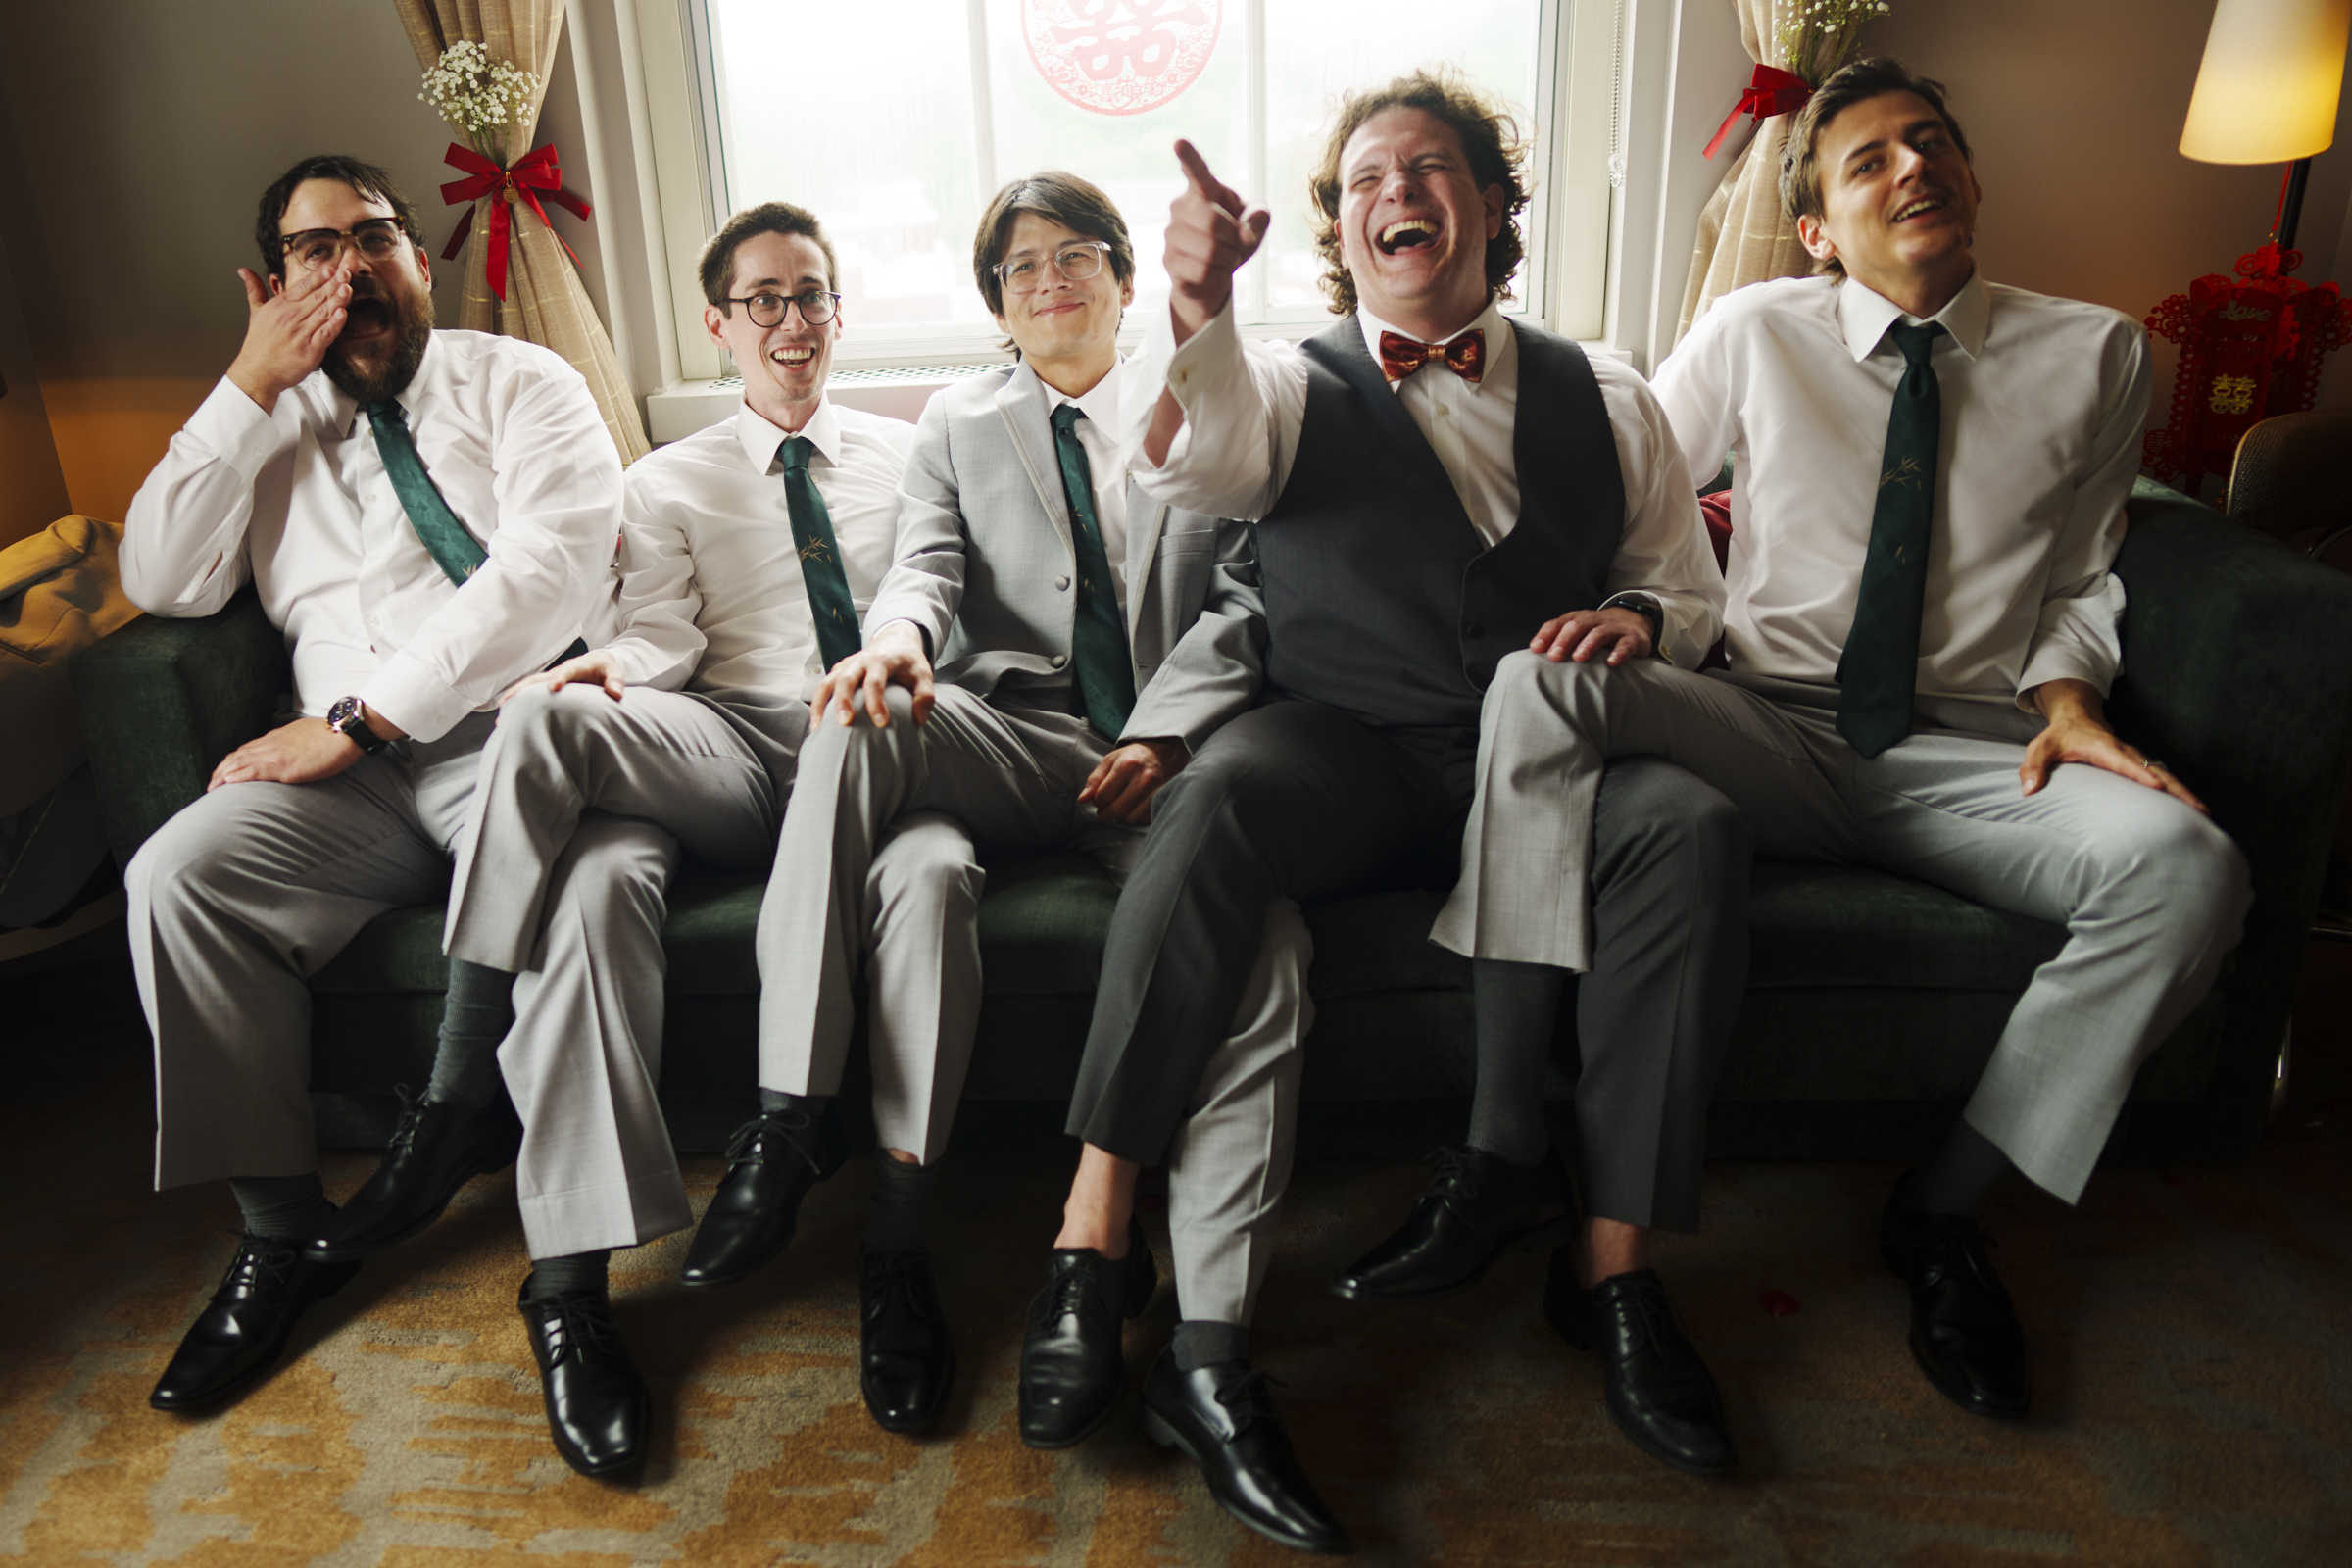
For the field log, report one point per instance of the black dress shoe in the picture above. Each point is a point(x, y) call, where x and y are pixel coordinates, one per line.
point(1474, 1209)
point(1660, 1394)
point(1072, 1365)
point(907, 1361)
point(597, 1409)
point(243, 1330)
point(1223, 1419)
point(437, 1147)
point(776, 1157)
point(1963, 1330)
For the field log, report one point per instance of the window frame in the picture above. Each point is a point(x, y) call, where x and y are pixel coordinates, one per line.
point(1563, 284)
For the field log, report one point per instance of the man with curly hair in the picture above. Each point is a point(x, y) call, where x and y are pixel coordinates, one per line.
point(1433, 481)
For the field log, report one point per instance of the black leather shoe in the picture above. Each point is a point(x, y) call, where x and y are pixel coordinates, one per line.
point(906, 1359)
point(597, 1409)
point(437, 1147)
point(1072, 1365)
point(1963, 1330)
point(1474, 1209)
point(243, 1330)
point(1660, 1394)
point(776, 1157)
point(1223, 1419)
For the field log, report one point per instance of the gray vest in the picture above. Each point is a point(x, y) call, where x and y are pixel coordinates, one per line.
point(1382, 600)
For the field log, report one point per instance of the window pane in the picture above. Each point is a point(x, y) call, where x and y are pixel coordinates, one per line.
point(1317, 50)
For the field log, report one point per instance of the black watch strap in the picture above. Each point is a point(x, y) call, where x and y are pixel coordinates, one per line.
point(349, 719)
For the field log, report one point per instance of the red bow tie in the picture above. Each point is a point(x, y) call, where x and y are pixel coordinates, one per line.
point(1465, 356)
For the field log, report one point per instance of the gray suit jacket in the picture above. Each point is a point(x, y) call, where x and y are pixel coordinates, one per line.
point(984, 565)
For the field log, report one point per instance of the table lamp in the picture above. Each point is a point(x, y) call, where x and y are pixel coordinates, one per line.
point(2268, 88)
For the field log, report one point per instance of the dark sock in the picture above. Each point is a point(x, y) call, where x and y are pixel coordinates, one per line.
point(902, 1198)
point(1518, 1007)
point(772, 1100)
point(573, 1271)
point(289, 1208)
point(474, 1018)
point(1201, 1344)
point(1961, 1176)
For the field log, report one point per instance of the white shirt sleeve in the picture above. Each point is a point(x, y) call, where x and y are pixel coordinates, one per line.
point(557, 488)
point(1664, 554)
point(656, 639)
point(2078, 636)
point(1693, 388)
point(1244, 403)
point(184, 542)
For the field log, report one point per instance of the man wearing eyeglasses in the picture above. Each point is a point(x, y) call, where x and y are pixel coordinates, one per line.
point(429, 516)
point(1045, 653)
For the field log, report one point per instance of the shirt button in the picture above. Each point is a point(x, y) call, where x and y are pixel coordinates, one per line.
point(1062, 582)
point(1445, 408)
point(1058, 660)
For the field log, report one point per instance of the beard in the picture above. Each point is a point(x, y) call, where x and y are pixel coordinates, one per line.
point(386, 364)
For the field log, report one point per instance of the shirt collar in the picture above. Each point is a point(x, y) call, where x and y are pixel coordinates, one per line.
point(760, 438)
point(1490, 320)
point(1099, 404)
point(1864, 314)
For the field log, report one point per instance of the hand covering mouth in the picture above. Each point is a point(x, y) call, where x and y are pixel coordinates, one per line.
point(1408, 234)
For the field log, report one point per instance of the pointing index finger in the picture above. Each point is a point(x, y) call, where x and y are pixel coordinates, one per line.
point(1196, 169)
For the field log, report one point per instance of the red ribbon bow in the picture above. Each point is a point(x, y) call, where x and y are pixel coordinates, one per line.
point(1465, 356)
point(1770, 91)
point(535, 171)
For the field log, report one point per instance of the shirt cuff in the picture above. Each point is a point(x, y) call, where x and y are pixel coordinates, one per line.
point(410, 694)
point(2062, 662)
point(237, 430)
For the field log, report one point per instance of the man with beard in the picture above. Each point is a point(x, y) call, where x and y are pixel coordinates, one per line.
point(1931, 473)
point(429, 516)
point(1434, 481)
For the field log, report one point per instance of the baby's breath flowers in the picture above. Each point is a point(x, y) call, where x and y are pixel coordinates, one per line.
point(1816, 35)
point(479, 95)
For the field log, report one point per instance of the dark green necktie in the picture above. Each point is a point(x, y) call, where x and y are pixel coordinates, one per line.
point(455, 551)
point(829, 603)
point(1880, 671)
point(1098, 642)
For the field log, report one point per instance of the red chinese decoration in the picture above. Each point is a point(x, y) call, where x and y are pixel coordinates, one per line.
point(535, 171)
point(2250, 348)
point(1120, 57)
point(1770, 91)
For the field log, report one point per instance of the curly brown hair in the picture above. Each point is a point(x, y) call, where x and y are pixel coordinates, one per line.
point(1489, 138)
point(1856, 81)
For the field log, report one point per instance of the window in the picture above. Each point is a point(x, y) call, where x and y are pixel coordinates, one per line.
point(895, 121)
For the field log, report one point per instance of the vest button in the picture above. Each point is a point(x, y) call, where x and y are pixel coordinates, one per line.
point(1474, 630)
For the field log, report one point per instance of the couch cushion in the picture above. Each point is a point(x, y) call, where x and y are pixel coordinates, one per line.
point(1845, 925)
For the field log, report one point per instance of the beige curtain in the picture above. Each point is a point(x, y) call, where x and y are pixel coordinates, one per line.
point(1742, 235)
point(545, 303)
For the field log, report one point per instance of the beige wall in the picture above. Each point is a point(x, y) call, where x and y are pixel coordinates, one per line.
point(32, 489)
point(2073, 109)
point(145, 131)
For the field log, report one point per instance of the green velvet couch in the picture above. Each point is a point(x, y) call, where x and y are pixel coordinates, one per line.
point(1873, 1001)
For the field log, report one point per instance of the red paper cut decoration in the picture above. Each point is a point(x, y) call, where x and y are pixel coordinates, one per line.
point(1120, 57)
point(2250, 348)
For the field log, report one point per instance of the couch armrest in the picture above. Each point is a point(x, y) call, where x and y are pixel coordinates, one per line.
point(2237, 671)
point(163, 701)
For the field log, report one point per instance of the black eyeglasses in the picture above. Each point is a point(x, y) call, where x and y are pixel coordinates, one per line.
point(768, 310)
point(378, 239)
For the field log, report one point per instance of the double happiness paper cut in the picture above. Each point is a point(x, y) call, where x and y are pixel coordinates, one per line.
point(1120, 57)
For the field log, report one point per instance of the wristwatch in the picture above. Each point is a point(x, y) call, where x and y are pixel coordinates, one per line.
point(349, 719)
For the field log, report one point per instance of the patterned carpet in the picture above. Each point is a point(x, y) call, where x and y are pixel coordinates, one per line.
point(2192, 1337)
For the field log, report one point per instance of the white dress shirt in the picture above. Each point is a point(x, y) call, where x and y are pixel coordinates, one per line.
point(711, 591)
point(1245, 403)
point(1100, 433)
point(297, 500)
point(2042, 403)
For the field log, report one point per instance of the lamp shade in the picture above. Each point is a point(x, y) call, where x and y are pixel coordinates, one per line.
point(2268, 89)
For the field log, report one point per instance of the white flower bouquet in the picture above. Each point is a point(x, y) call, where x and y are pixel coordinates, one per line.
point(479, 95)
point(1815, 36)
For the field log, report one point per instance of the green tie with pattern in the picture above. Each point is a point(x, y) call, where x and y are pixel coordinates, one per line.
point(1878, 673)
point(829, 603)
point(1098, 641)
point(455, 551)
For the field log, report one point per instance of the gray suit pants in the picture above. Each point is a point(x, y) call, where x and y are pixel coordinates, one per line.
point(237, 900)
point(577, 827)
point(1010, 776)
point(2151, 893)
point(1301, 800)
